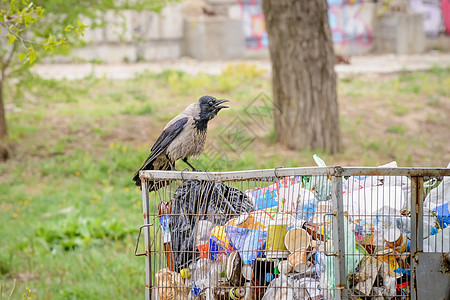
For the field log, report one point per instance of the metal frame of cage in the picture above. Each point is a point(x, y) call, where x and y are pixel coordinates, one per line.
point(335, 177)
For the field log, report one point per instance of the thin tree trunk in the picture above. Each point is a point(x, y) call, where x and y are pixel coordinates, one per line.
point(4, 154)
point(5, 62)
point(304, 81)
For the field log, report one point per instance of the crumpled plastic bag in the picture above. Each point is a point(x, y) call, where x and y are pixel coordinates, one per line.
point(439, 195)
point(291, 287)
point(320, 185)
point(440, 242)
point(363, 203)
point(249, 243)
point(438, 200)
point(198, 200)
point(443, 214)
point(306, 210)
point(291, 196)
point(264, 197)
point(370, 193)
point(353, 256)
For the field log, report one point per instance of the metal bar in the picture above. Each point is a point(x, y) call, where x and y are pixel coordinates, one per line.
point(137, 241)
point(338, 237)
point(416, 229)
point(236, 175)
point(146, 216)
point(283, 172)
point(432, 172)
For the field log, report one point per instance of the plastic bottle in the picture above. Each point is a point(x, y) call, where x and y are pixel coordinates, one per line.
point(202, 235)
point(164, 211)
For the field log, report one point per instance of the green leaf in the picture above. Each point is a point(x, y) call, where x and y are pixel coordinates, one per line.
point(11, 38)
point(68, 28)
point(39, 11)
point(27, 19)
point(32, 55)
point(22, 56)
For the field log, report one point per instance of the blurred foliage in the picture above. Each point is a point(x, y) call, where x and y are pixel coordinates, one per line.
point(31, 30)
point(79, 231)
point(41, 25)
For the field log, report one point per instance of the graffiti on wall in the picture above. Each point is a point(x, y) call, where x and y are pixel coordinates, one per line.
point(254, 26)
point(350, 23)
point(437, 15)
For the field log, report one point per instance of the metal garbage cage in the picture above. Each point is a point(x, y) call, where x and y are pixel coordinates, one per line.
point(297, 233)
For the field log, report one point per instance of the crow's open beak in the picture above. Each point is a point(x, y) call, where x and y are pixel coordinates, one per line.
point(218, 106)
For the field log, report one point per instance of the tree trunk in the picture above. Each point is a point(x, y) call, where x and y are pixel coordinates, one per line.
point(304, 82)
point(4, 154)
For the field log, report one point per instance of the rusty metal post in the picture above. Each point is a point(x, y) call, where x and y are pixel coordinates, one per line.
point(416, 229)
point(148, 262)
point(338, 235)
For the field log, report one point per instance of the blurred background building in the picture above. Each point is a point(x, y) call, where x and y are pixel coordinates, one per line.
point(234, 29)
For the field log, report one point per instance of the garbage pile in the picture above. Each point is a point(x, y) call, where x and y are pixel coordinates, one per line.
point(272, 242)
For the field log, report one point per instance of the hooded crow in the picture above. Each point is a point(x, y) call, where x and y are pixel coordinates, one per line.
point(183, 137)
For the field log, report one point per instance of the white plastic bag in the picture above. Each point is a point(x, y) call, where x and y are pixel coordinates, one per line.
point(290, 196)
point(440, 242)
point(363, 203)
point(439, 195)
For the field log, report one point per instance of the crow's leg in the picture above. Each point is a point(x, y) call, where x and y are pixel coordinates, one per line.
point(172, 167)
point(192, 167)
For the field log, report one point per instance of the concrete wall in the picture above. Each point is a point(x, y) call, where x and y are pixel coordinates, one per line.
point(234, 29)
point(132, 36)
point(212, 38)
point(400, 33)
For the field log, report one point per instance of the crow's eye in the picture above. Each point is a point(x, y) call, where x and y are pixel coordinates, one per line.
point(211, 103)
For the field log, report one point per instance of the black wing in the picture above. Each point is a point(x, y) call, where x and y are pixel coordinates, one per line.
point(161, 145)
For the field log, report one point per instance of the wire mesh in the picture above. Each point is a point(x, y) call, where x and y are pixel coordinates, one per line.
point(291, 235)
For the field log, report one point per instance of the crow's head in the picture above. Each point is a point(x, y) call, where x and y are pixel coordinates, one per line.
point(210, 106)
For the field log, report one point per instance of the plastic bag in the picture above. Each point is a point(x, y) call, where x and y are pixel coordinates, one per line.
point(320, 185)
point(306, 210)
point(440, 242)
point(398, 186)
point(198, 200)
point(291, 288)
point(363, 203)
point(353, 256)
point(443, 214)
point(440, 195)
point(291, 196)
point(249, 243)
point(202, 232)
point(263, 198)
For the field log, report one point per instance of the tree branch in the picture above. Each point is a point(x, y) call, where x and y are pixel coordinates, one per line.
point(23, 41)
point(6, 63)
point(10, 32)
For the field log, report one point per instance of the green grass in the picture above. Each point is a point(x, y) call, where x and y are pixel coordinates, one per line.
point(397, 129)
point(70, 213)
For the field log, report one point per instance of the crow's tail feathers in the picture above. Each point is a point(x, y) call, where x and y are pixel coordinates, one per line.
point(153, 185)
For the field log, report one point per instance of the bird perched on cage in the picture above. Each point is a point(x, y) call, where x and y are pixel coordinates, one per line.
point(183, 137)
